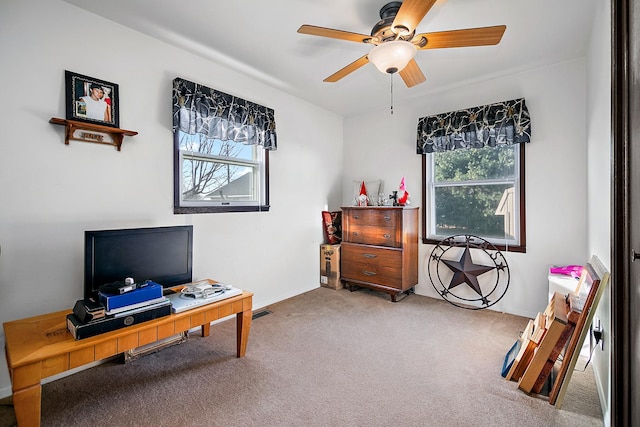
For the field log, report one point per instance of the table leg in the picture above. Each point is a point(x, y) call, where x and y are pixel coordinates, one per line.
point(27, 404)
point(206, 329)
point(243, 325)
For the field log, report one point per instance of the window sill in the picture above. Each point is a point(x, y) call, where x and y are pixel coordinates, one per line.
point(178, 210)
point(501, 247)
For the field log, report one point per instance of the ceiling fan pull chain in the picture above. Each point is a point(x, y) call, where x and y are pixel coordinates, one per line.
point(391, 74)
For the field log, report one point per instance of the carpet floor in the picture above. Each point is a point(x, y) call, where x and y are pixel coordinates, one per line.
point(325, 358)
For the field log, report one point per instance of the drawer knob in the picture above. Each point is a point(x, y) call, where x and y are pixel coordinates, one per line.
point(369, 255)
point(355, 217)
point(368, 273)
point(386, 236)
point(355, 233)
point(387, 218)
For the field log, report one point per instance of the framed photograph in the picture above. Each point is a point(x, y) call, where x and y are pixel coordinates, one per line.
point(91, 100)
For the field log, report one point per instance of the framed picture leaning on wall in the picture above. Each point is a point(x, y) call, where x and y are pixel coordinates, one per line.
point(91, 100)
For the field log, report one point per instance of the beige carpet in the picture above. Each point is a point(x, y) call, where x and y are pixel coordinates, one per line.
point(325, 358)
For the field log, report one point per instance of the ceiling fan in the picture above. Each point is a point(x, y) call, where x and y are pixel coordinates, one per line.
point(396, 42)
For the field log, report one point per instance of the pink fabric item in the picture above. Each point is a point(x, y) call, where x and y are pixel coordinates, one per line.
point(568, 270)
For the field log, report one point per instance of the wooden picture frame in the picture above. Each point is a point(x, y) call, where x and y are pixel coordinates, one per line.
point(91, 100)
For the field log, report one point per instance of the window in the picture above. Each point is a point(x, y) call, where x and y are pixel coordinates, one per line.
point(476, 191)
point(221, 151)
point(218, 176)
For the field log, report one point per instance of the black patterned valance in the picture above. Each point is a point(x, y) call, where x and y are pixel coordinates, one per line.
point(214, 114)
point(504, 122)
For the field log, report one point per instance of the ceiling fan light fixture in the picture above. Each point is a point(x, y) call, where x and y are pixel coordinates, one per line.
point(391, 57)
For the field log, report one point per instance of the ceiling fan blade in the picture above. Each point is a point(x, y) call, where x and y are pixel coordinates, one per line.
point(411, 13)
point(334, 34)
point(484, 36)
point(347, 70)
point(411, 74)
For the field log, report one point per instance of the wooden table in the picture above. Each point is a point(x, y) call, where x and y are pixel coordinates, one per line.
point(39, 347)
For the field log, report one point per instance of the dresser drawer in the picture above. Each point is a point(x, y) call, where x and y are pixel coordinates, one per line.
point(374, 265)
point(373, 217)
point(380, 236)
point(373, 226)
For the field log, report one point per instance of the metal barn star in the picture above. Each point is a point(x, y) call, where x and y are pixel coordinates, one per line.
point(465, 271)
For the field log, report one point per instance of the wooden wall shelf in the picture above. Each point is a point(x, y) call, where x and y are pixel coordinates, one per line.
point(88, 135)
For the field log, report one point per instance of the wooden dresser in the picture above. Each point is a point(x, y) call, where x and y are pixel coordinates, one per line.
point(380, 248)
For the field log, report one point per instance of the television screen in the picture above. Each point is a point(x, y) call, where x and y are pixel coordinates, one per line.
point(161, 254)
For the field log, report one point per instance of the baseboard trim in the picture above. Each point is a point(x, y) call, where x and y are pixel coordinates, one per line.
point(5, 392)
point(602, 394)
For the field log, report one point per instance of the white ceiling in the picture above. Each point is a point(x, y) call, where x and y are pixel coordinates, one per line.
point(259, 38)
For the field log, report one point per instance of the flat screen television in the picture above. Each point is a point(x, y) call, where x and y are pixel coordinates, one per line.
point(161, 254)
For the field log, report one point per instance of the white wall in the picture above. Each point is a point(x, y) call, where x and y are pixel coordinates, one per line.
point(52, 193)
point(599, 182)
point(380, 145)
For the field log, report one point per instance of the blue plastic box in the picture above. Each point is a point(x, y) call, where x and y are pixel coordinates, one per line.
point(145, 292)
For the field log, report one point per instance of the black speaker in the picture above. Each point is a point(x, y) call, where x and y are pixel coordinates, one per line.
point(87, 310)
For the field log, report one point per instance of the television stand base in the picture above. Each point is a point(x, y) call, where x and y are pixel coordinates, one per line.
point(40, 347)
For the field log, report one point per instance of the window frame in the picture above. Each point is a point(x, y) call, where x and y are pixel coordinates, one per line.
point(521, 247)
point(182, 207)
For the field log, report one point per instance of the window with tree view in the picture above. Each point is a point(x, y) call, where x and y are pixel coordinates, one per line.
point(217, 175)
point(476, 191)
